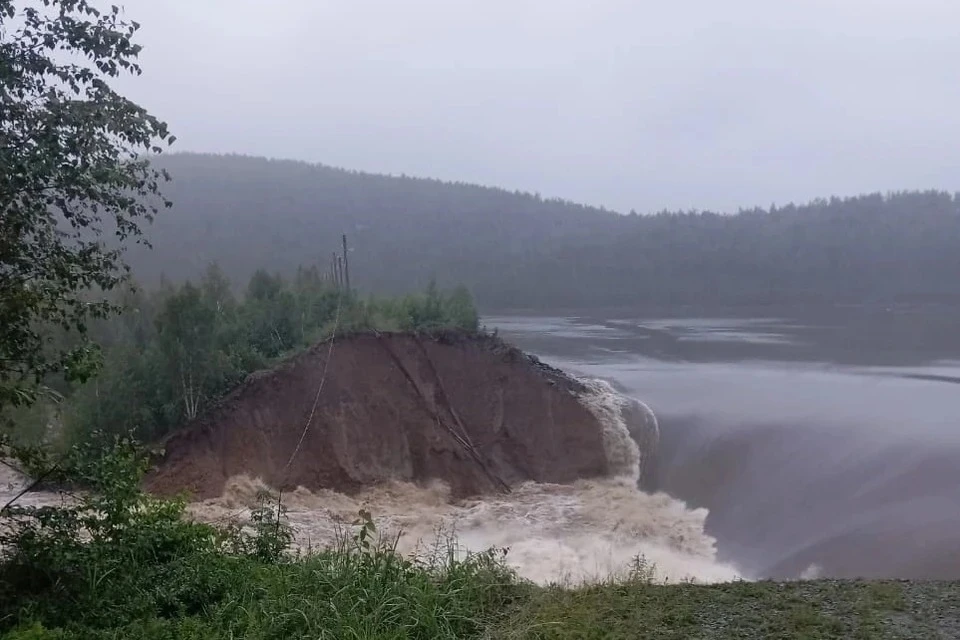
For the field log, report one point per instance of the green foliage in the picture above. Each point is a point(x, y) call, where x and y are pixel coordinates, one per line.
point(71, 174)
point(116, 563)
point(271, 315)
point(33, 422)
point(174, 352)
point(460, 310)
point(119, 563)
point(268, 538)
point(431, 310)
point(99, 557)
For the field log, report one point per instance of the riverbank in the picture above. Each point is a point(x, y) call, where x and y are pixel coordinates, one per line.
point(546, 560)
point(818, 609)
point(356, 592)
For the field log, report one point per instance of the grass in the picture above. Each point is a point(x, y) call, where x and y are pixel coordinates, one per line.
point(343, 593)
point(364, 591)
point(371, 593)
point(120, 564)
point(340, 595)
point(813, 610)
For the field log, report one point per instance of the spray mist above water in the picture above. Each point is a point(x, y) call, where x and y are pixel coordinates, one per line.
point(589, 531)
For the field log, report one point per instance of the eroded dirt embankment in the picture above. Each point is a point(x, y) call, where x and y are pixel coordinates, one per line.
point(469, 411)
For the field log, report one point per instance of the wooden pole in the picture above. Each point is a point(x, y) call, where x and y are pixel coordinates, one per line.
point(333, 270)
point(346, 264)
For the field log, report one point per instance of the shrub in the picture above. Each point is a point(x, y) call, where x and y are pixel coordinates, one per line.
point(99, 557)
point(117, 563)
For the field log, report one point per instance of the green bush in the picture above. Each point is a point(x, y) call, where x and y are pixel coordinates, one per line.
point(99, 558)
point(175, 352)
point(121, 564)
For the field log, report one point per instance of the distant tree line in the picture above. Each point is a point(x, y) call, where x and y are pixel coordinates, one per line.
point(902, 247)
point(519, 250)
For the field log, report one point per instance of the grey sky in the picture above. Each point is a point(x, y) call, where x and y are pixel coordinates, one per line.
point(628, 104)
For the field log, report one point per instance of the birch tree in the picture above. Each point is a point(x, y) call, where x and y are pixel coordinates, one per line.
point(75, 182)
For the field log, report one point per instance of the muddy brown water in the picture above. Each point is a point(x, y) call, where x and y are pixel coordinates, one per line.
point(822, 442)
point(793, 443)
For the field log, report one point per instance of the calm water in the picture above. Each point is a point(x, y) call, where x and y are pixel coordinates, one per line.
point(823, 442)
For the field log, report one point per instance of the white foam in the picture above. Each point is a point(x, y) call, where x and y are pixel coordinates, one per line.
point(623, 453)
point(588, 531)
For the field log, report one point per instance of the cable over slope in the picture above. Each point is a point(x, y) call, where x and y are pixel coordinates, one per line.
point(467, 410)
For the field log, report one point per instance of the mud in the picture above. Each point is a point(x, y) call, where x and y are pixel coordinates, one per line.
point(473, 413)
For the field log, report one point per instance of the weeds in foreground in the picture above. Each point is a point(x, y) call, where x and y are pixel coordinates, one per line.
point(118, 563)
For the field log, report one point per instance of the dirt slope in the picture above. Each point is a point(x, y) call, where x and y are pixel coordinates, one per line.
point(470, 411)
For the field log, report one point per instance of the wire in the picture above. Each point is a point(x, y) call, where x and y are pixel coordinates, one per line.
point(313, 410)
point(30, 487)
point(36, 482)
point(316, 398)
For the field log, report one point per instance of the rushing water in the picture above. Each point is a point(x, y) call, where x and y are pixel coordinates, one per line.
point(821, 442)
point(589, 531)
point(792, 444)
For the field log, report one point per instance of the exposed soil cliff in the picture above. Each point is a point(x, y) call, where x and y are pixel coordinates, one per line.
point(470, 411)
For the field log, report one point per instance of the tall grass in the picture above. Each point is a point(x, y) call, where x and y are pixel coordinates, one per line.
point(117, 564)
point(121, 564)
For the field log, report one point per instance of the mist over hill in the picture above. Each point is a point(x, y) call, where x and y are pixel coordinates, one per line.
point(520, 250)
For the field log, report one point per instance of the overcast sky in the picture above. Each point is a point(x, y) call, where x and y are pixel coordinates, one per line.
point(702, 104)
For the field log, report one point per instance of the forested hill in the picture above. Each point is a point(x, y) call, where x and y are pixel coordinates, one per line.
point(519, 250)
